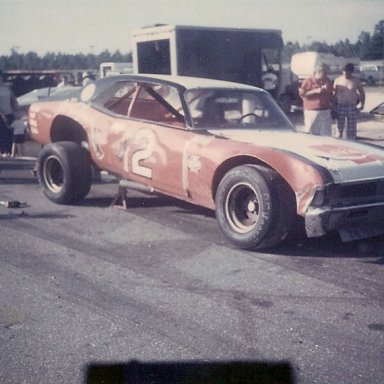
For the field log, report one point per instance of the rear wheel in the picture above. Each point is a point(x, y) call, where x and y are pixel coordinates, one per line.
point(250, 209)
point(64, 172)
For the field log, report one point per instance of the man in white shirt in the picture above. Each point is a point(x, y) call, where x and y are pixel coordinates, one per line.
point(63, 82)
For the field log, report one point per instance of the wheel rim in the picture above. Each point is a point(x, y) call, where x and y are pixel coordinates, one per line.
point(242, 207)
point(53, 174)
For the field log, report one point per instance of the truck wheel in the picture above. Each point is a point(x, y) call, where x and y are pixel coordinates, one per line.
point(285, 103)
point(371, 81)
point(250, 209)
point(64, 172)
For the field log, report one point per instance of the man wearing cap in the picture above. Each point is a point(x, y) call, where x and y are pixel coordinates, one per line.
point(86, 79)
point(317, 93)
point(348, 94)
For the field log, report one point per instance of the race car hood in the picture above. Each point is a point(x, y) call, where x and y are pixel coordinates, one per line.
point(346, 160)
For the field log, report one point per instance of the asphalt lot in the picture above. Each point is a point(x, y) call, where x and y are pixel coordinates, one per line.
point(155, 291)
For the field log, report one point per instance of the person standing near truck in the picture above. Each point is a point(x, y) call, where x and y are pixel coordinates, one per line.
point(270, 81)
point(317, 95)
point(19, 128)
point(348, 94)
point(8, 106)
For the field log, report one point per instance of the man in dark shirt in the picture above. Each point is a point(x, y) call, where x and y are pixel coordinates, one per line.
point(8, 106)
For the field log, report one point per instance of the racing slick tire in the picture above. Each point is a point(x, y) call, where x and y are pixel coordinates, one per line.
point(64, 172)
point(254, 207)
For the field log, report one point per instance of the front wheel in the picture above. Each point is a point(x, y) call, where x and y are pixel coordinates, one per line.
point(64, 172)
point(250, 209)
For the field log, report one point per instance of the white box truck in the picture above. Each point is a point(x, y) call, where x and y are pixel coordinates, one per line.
point(372, 72)
point(233, 54)
point(303, 64)
point(115, 68)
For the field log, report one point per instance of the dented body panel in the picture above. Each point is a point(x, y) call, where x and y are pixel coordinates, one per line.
point(175, 153)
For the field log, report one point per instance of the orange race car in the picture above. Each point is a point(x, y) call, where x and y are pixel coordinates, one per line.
point(221, 145)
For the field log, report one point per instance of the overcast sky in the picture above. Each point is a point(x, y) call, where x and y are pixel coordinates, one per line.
point(84, 26)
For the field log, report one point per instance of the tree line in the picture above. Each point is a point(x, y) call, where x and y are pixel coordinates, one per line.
point(369, 46)
point(59, 61)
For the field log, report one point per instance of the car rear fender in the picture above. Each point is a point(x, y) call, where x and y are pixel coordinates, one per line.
point(66, 129)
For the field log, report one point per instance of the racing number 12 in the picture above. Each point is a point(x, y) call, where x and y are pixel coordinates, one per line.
point(145, 153)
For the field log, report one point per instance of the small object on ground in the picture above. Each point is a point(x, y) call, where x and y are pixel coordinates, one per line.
point(120, 200)
point(13, 204)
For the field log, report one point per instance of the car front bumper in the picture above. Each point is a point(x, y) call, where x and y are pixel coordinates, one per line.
point(352, 222)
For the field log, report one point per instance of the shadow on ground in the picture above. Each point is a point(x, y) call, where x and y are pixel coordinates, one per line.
point(191, 372)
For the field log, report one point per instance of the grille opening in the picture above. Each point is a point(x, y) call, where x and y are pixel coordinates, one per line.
point(355, 191)
point(357, 214)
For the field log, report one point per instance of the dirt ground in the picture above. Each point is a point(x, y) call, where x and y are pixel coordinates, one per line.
point(371, 127)
point(374, 96)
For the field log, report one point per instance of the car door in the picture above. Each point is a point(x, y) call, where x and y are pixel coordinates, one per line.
point(141, 134)
point(156, 151)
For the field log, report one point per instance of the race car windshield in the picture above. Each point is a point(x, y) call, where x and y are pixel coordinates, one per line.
point(235, 109)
